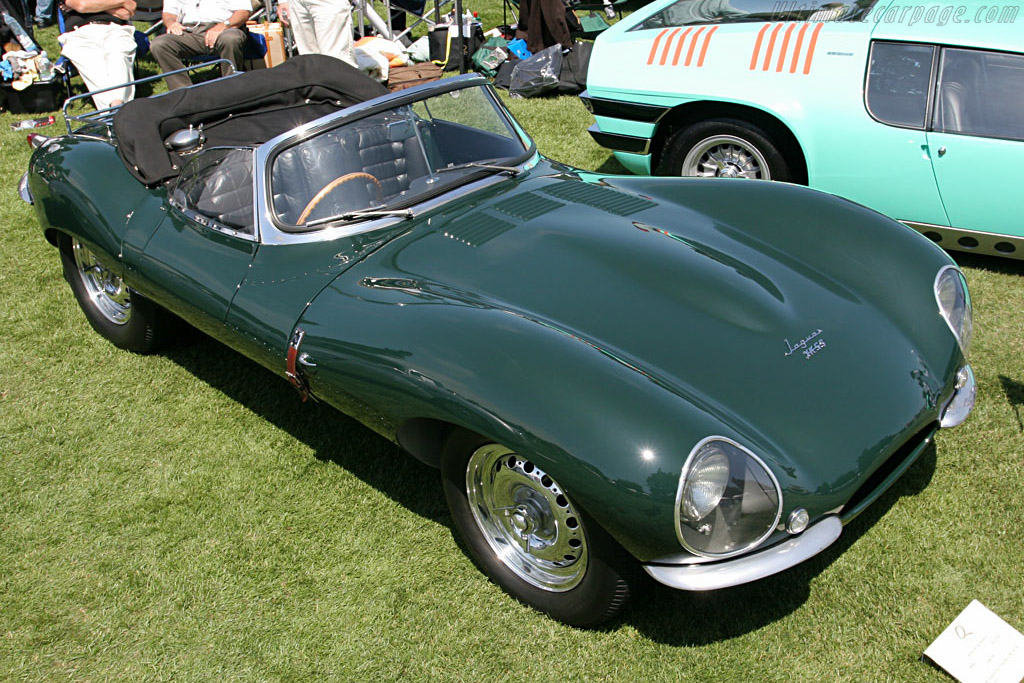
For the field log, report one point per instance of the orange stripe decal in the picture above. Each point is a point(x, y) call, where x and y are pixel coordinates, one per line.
point(771, 47)
point(654, 48)
point(679, 46)
point(693, 44)
point(704, 47)
point(810, 48)
point(757, 47)
point(668, 44)
point(796, 50)
point(785, 45)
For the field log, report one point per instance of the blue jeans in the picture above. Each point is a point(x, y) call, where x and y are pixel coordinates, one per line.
point(44, 10)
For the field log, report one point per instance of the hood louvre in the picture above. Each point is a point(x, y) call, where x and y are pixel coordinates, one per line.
point(477, 229)
point(527, 206)
point(600, 197)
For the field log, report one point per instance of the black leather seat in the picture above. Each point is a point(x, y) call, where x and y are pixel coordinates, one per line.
point(383, 146)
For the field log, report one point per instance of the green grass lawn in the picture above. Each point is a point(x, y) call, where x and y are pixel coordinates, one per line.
point(183, 516)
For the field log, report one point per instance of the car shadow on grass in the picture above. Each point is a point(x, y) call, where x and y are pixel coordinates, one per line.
point(680, 618)
point(661, 614)
point(333, 436)
point(1014, 396)
point(995, 264)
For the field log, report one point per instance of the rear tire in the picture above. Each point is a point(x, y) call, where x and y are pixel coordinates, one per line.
point(724, 148)
point(124, 317)
point(526, 535)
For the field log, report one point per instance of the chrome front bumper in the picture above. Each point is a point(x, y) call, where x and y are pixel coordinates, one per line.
point(960, 404)
point(23, 190)
point(747, 568)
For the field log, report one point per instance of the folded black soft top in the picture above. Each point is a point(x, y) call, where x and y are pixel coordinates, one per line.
point(244, 109)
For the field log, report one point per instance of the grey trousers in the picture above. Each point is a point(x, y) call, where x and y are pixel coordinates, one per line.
point(170, 51)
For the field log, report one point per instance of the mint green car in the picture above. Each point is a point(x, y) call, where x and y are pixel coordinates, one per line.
point(914, 110)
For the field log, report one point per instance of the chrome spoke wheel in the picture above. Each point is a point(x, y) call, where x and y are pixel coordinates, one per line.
point(725, 156)
point(106, 291)
point(526, 519)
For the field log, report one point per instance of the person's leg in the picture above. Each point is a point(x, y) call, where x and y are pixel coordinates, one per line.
point(103, 55)
point(44, 13)
point(120, 56)
point(169, 51)
point(332, 23)
point(301, 22)
point(230, 45)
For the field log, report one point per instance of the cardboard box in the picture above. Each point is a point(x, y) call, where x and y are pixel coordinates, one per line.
point(273, 34)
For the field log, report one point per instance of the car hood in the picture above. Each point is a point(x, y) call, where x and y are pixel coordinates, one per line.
point(766, 306)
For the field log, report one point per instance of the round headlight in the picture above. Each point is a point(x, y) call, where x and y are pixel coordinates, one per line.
point(955, 304)
point(705, 484)
point(728, 500)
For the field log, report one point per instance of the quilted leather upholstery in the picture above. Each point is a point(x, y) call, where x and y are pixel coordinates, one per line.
point(365, 147)
point(228, 196)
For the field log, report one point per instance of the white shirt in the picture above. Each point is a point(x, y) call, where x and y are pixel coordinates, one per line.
point(191, 12)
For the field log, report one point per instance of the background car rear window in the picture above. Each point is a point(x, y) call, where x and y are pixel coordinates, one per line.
point(899, 75)
point(981, 93)
point(689, 12)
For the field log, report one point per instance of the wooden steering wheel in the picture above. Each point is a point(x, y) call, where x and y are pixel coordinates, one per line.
point(330, 187)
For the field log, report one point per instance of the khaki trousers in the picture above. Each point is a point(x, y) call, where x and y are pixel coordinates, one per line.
point(170, 51)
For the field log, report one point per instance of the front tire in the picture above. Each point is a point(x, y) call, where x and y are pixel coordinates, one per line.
point(527, 536)
point(724, 148)
point(124, 317)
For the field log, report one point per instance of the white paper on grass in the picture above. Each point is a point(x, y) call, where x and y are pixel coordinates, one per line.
point(979, 647)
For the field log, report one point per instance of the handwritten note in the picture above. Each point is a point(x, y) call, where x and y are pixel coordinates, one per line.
point(979, 647)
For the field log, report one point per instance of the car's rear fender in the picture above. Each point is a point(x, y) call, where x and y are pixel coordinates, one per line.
point(81, 187)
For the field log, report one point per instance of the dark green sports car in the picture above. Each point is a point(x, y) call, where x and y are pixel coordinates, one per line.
point(705, 379)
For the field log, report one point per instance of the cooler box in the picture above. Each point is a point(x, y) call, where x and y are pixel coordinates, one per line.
point(41, 96)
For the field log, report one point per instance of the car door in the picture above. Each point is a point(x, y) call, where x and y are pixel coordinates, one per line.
point(977, 142)
point(199, 254)
point(894, 172)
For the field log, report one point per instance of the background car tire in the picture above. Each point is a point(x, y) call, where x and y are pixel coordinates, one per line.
point(741, 149)
point(124, 317)
point(597, 593)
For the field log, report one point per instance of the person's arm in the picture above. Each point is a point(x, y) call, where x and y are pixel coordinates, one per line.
point(236, 20)
point(282, 12)
point(122, 9)
point(171, 24)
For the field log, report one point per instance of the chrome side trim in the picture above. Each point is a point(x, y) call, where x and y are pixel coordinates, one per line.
point(620, 143)
point(740, 570)
point(972, 241)
point(23, 191)
point(623, 109)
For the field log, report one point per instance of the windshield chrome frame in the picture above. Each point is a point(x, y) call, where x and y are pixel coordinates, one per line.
point(271, 231)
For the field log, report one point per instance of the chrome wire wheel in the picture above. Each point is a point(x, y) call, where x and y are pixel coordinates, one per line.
point(106, 291)
point(526, 519)
point(726, 156)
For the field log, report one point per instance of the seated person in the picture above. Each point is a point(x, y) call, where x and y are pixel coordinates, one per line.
point(200, 27)
point(99, 39)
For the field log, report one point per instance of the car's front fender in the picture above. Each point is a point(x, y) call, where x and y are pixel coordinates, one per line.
point(524, 383)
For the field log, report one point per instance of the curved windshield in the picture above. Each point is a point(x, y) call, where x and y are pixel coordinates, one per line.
point(387, 161)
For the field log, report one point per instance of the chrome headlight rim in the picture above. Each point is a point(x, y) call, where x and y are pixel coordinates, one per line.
point(961, 280)
point(680, 492)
